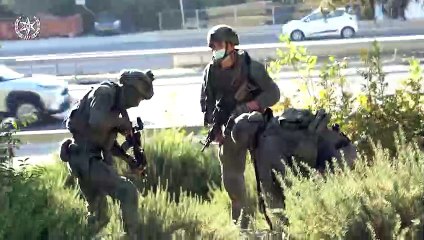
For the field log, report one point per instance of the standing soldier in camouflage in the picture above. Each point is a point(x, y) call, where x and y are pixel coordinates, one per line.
point(233, 75)
point(94, 123)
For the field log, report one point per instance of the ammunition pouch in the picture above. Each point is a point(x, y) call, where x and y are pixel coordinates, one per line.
point(246, 92)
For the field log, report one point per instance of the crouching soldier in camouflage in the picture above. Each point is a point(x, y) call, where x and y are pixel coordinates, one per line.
point(94, 123)
point(233, 84)
point(298, 134)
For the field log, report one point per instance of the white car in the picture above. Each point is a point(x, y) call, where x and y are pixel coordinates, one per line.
point(336, 23)
point(40, 94)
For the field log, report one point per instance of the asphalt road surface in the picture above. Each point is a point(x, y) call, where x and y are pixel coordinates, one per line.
point(164, 61)
point(140, 41)
point(261, 34)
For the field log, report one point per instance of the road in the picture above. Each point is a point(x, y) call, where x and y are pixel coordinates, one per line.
point(170, 39)
point(143, 41)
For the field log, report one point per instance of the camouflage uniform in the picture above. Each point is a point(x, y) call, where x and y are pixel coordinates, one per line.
point(220, 83)
point(94, 124)
point(304, 137)
point(269, 139)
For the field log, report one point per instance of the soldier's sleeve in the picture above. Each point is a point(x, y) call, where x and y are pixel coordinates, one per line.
point(270, 94)
point(207, 96)
point(100, 108)
point(118, 151)
point(203, 92)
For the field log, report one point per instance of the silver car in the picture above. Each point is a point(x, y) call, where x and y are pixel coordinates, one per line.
point(106, 23)
point(39, 94)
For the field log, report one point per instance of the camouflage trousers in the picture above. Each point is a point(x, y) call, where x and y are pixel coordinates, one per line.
point(97, 179)
point(232, 156)
point(275, 146)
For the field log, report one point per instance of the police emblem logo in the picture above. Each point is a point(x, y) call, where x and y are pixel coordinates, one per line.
point(27, 28)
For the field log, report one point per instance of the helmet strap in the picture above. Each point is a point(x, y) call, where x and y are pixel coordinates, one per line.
point(226, 50)
point(218, 62)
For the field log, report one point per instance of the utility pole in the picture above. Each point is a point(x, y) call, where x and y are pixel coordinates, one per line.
point(82, 4)
point(182, 14)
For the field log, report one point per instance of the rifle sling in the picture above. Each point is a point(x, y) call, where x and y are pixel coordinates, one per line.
point(254, 146)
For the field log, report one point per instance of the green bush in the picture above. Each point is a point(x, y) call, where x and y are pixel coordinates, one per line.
point(374, 112)
point(384, 194)
point(183, 197)
point(382, 200)
point(35, 204)
point(174, 159)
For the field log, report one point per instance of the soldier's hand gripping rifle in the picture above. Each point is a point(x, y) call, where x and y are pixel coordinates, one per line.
point(221, 116)
point(133, 141)
point(215, 129)
point(211, 136)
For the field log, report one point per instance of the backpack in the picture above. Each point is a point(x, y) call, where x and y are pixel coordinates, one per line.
point(76, 122)
point(304, 119)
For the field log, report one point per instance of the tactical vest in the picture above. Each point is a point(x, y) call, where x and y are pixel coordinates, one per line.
point(242, 89)
point(77, 120)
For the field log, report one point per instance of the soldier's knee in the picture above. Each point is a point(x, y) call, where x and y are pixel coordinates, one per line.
point(234, 184)
point(245, 127)
point(238, 132)
point(127, 192)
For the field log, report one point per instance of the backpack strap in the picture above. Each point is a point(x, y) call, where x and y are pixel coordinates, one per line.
point(248, 61)
point(117, 98)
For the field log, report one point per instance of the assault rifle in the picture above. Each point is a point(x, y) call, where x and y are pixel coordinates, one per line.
point(221, 116)
point(133, 141)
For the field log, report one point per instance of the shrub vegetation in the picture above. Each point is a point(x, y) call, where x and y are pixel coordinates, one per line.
point(381, 198)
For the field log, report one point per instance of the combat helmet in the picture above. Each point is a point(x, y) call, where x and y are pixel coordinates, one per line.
point(141, 81)
point(222, 33)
